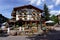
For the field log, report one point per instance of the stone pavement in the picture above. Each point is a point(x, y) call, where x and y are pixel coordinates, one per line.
point(14, 38)
point(53, 35)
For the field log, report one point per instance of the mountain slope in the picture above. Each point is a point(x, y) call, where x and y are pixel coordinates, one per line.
point(2, 19)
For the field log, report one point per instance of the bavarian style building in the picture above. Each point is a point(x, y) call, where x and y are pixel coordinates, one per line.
point(26, 16)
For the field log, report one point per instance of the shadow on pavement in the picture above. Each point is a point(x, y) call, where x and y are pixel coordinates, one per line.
point(38, 37)
point(52, 35)
point(3, 34)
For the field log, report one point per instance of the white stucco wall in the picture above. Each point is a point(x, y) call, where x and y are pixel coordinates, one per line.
point(23, 18)
point(17, 18)
point(32, 19)
point(29, 17)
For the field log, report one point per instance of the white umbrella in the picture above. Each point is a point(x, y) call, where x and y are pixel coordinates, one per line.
point(49, 21)
point(4, 23)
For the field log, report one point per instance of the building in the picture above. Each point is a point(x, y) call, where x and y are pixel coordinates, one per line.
point(26, 16)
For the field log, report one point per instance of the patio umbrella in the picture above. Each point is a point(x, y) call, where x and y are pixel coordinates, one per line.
point(4, 23)
point(49, 21)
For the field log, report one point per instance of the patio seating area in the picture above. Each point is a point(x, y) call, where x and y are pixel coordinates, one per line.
point(20, 31)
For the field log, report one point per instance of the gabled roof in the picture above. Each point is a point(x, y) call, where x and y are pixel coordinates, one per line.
point(28, 6)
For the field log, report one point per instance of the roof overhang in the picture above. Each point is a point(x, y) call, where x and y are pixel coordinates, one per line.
point(28, 6)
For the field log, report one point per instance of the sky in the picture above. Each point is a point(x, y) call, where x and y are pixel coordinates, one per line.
point(6, 6)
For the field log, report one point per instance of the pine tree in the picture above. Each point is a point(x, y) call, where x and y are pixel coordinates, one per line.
point(46, 12)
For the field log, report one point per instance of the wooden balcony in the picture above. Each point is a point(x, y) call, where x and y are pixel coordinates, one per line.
point(13, 14)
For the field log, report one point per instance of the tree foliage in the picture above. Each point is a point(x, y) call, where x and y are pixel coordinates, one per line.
point(46, 12)
point(54, 18)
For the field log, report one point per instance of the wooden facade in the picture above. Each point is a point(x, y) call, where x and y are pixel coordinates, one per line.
point(27, 16)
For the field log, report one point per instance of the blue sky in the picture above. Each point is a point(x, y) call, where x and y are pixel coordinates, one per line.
point(6, 6)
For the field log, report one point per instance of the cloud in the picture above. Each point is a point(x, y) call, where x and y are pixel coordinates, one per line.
point(6, 6)
point(36, 2)
point(50, 6)
point(55, 12)
point(32, 1)
point(43, 0)
point(57, 2)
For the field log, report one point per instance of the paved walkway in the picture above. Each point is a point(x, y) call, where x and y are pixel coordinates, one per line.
point(54, 35)
point(14, 38)
point(57, 28)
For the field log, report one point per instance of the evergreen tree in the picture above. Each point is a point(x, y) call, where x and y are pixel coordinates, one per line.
point(46, 12)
